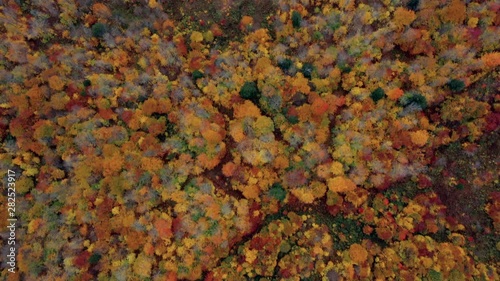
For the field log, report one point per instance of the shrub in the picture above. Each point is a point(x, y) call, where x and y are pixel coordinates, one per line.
point(307, 70)
point(318, 36)
point(296, 19)
point(249, 91)
point(98, 30)
point(94, 259)
point(87, 83)
point(285, 64)
point(413, 99)
point(456, 85)
point(413, 5)
point(276, 191)
point(378, 94)
point(292, 119)
point(197, 75)
point(344, 68)
point(419, 100)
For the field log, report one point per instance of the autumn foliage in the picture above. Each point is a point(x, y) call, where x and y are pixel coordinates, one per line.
point(151, 148)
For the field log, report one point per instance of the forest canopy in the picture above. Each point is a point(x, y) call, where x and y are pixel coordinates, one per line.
point(252, 140)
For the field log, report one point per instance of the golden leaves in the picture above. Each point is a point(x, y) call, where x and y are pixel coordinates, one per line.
point(419, 137)
point(236, 131)
point(24, 184)
point(310, 193)
point(263, 67)
point(247, 109)
point(417, 78)
point(491, 59)
point(205, 161)
point(281, 162)
point(261, 36)
point(455, 12)
point(250, 191)
point(364, 146)
point(263, 125)
point(142, 265)
point(357, 197)
point(213, 211)
point(403, 17)
point(328, 169)
point(212, 137)
point(196, 37)
point(341, 184)
point(337, 168)
point(246, 22)
point(193, 122)
point(43, 129)
point(358, 253)
point(153, 4)
point(112, 165)
point(56, 83)
point(59, 100)
point(151, 164)
point(34, 225)
point(300, 83)
point(101, 10)
point(120, 58)
point(304, 195)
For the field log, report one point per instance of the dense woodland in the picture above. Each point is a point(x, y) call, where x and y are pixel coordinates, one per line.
point(252, 140)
